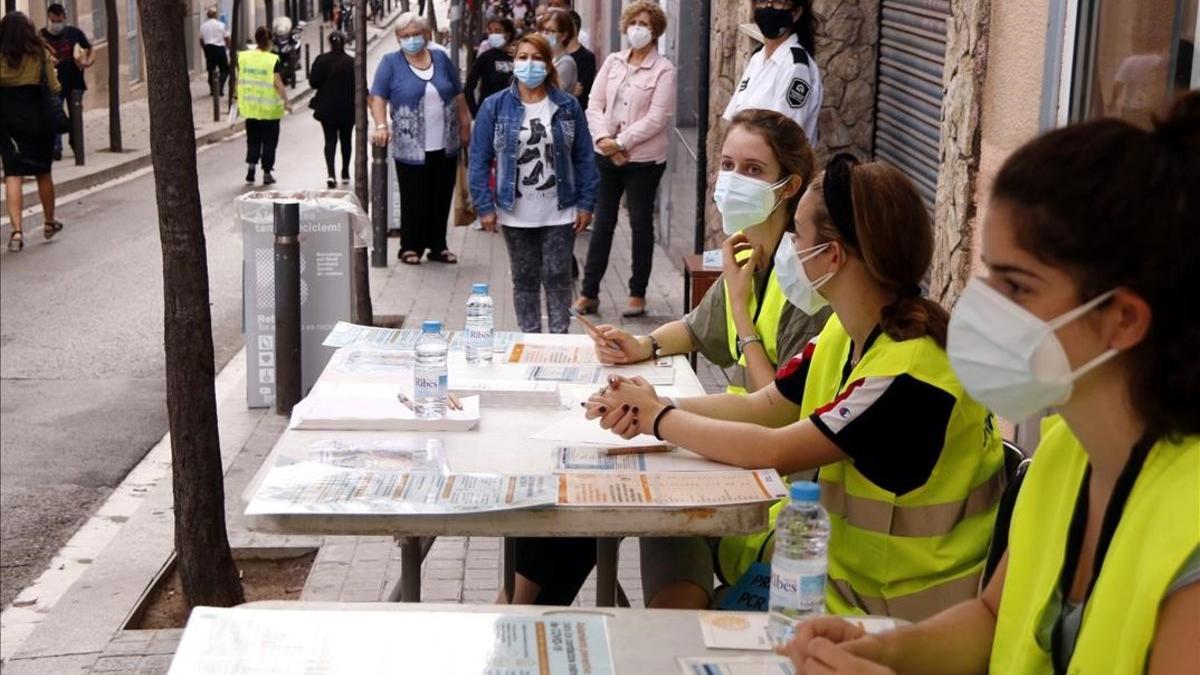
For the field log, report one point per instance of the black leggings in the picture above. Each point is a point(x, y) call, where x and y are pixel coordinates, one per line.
point(559, 565)
point(333, 133)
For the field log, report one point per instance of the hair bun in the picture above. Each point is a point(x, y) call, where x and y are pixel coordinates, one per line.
point(1181, 125)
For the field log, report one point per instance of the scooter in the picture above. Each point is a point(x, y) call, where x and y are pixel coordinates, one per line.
point(286, 41)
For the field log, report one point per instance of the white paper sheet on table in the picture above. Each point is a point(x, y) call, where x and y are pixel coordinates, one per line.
point(373, 406)
point(748, 630)
point(373, 362)
point(670, 489)
point(310, 487)
point(401, 454)
point(655, 374)
point(596, 458)
point(507, 393)
point(346, 334)
point(538, 354)
point(572, 428)
point(736, 665)
point(316, 642)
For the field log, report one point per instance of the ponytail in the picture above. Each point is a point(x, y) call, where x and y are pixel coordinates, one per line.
point(875, 210)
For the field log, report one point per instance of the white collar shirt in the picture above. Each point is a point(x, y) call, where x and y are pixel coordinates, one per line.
point(213, 32)
point(788, 82)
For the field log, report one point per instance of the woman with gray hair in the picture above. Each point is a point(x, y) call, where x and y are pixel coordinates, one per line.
point(430, 125)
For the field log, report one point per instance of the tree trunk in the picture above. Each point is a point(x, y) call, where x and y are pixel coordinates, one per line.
point(205, 562)
point(269, 6)
point(113, 35)
point(363, 311)
point(431, 16)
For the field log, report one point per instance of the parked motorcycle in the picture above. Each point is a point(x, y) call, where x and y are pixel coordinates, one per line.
point(286, 43)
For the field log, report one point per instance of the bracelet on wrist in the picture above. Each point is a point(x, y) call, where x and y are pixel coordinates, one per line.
point(658, 418)
point(744, 342)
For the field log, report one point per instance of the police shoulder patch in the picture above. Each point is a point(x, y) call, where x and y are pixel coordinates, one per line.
point(797, 92)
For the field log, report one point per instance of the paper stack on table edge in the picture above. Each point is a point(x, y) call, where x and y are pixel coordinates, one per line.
point(360, 406)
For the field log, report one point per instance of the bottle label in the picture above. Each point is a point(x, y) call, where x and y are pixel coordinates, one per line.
point(798, 586)
point(429, 386)
point(478, 336)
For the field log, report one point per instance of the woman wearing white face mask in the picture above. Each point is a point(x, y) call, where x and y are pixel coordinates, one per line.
point(1089, 306)
point(744, 322)
point(558, 29)
point(629, 111)
point(910, 465)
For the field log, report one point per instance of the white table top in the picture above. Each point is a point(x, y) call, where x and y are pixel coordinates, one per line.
point(502, 444)
point(640, 640)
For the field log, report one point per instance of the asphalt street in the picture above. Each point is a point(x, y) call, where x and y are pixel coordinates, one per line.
point(82, 391)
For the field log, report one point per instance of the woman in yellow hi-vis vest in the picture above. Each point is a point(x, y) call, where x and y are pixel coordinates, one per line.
point(261, 100)
point(766, 165)
point(1089, 307)
point(910, 465)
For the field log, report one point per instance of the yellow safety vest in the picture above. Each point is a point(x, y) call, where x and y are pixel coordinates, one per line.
point(910, 555)
point(766, 324)
point(1159, 529)
point(256, 95)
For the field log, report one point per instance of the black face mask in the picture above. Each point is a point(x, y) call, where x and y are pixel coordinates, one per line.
point(773, 22)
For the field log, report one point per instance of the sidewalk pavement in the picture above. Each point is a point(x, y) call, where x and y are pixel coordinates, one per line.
point(103, 165)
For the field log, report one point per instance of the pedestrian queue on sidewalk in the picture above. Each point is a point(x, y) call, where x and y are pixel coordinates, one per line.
point(1088, 306)
point(430, 126)
point(545, 182)
point(332, 76)
point(629, 115)
point(31, 117)
point(261, 101)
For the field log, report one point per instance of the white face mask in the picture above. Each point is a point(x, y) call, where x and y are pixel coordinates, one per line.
point(639, 36)
point(496, 40)
point(743, 201)
point(793, 279)
point(1007, 358)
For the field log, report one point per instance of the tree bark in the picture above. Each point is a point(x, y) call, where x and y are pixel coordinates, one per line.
point(235, 43)
point(269, 6)
point(113, 36)
point(364, 312)
point(204, 560)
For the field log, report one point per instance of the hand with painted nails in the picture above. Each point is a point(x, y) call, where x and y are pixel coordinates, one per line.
point(627, 407)
point(616, 347)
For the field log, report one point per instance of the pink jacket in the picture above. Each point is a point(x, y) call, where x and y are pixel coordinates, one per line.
point(650, 99)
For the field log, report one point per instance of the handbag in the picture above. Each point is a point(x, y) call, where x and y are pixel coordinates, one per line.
point(52, 107)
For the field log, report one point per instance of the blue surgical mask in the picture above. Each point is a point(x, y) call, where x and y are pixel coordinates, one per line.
point(412, 44)
point(531, 73)
point(496, 40)
point(552, 38)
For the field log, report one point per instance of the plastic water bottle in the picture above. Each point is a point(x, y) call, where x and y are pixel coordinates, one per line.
point(477, 338)
point(429, 371)
point(799, 564)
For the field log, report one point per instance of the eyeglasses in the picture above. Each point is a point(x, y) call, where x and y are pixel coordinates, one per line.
point(774, 4)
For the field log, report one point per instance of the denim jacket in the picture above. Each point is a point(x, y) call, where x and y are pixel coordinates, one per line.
point(496, 137)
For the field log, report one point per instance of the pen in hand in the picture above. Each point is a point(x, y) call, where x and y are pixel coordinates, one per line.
point(594, 332)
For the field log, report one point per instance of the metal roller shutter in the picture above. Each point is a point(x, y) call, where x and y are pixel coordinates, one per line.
point(908, 105)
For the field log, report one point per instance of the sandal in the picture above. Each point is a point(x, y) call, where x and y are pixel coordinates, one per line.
point(410, 257)
point(586, 305)
point(444, 257)
point(16, 241)
point(51, 228)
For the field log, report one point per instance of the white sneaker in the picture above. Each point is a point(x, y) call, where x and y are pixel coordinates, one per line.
point(476, 225)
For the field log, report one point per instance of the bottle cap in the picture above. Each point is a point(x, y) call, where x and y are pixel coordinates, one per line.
point(479, 289)
point(804, 491)
point(431, 326)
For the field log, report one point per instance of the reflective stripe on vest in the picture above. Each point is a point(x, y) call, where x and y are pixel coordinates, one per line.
point(912, 554)
point(766, 325)
point(256, 95)
point(1159, 529)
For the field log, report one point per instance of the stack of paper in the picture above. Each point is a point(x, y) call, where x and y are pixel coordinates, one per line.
point(670, 489)
point(597, 458)
point(508, 393)
point(359, 406)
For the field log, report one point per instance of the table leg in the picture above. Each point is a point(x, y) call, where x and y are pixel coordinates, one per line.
point(510, 568)
point(606, 571)
point(408, 589)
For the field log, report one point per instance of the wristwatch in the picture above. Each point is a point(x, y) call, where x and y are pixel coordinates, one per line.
point(655, 348)
point(743, 342)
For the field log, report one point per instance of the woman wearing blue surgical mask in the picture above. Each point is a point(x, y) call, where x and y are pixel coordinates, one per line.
point(1089, 306)
point(744, 322)
point(545, 188)
point(430, 126)
point(910, 465)
point(492, 71)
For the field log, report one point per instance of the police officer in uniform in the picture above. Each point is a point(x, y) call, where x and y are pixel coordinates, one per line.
point(783, 75)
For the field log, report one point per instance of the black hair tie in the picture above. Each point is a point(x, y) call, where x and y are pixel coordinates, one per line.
point(909, 291)
point(838, 199)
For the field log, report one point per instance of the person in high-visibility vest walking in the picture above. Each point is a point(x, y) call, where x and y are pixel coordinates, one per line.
point(261, 101)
